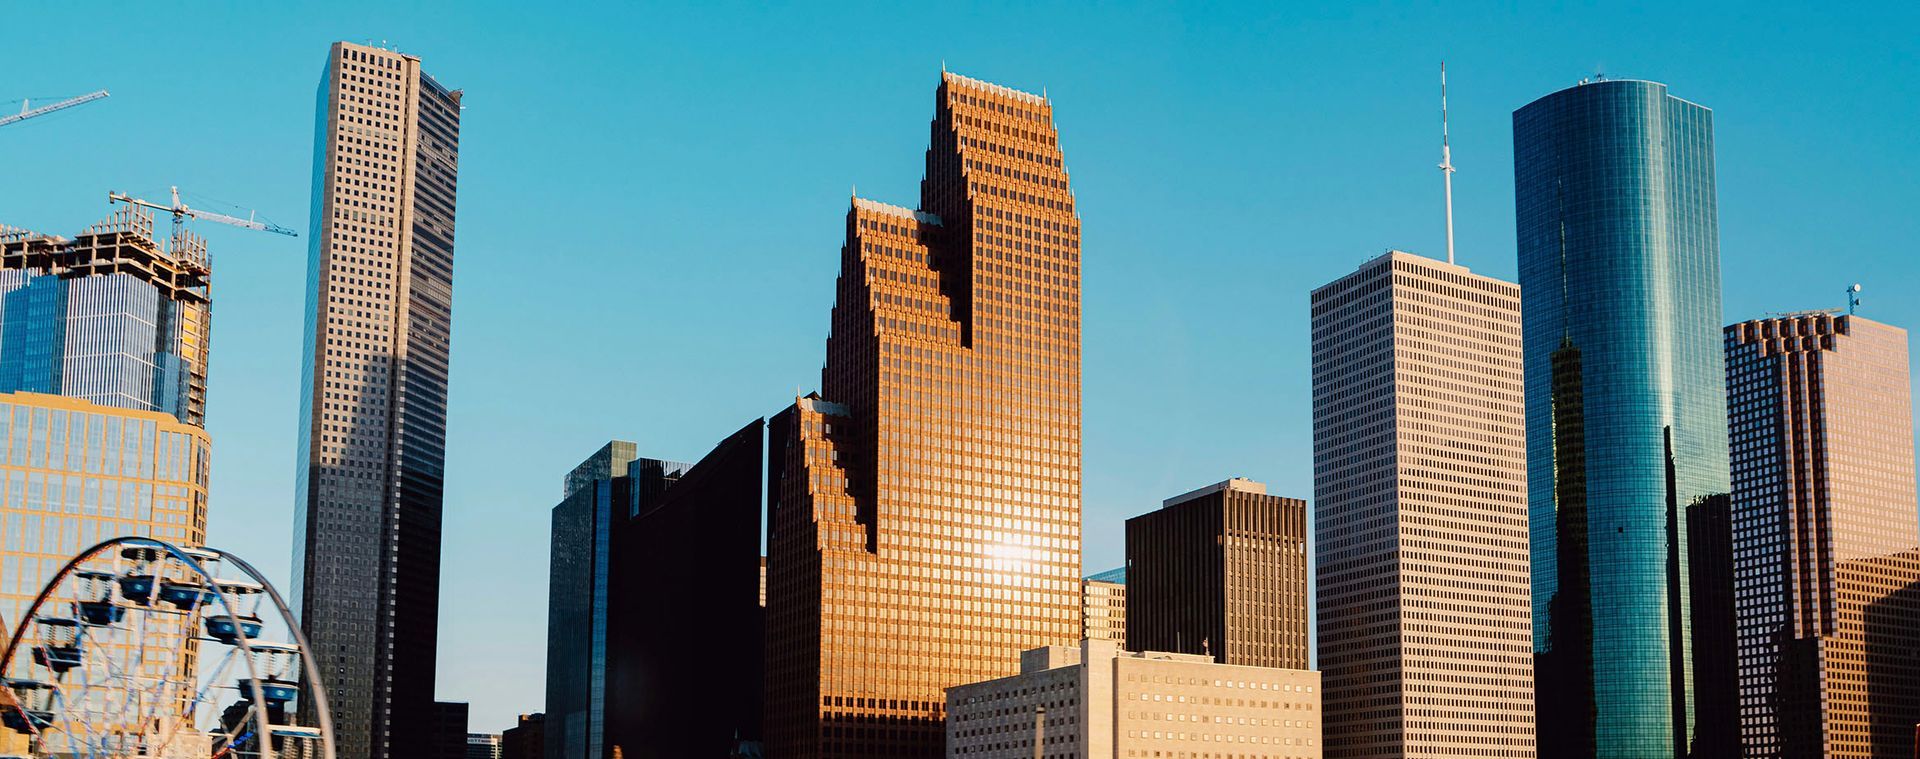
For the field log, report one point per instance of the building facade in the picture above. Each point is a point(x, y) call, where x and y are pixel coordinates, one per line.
point(598, 496)
point(483, 746)
point(684, 578)
point(1710, 588)
point(373, 404)
point(1103, 606)
point(1619, 257)
point(1826, 535)
point(637, 541)
point(924, 512)
point(449, 739)
point(112, 316)
point(525, 740)
point(1096, 701)
point(74, 473)
point(1420, 514)
point(1221, 571)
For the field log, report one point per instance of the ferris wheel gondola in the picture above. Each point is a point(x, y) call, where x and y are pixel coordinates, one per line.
point(138, 649)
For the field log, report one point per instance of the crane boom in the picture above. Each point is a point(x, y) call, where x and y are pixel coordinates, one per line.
point(26, 112)
point(180, 211)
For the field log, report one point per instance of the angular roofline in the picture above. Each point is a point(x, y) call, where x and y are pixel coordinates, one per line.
point(876, 206)
point(948, 76)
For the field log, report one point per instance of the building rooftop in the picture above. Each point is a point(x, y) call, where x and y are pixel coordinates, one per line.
point(1118, 576)
point(1237, 484)
point(1009, 92)
point(875, 206)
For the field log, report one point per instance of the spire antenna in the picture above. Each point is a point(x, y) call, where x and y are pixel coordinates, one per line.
point(1446, 158)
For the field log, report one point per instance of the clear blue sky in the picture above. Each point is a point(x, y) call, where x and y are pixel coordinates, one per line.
point(651, 205)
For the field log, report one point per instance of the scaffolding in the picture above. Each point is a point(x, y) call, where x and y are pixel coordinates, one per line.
point(124, 243)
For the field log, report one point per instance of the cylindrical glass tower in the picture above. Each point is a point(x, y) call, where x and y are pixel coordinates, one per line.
point(1626, 407)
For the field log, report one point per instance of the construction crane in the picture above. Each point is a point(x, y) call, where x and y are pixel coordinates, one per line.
point(181, 212)
point(27, 111)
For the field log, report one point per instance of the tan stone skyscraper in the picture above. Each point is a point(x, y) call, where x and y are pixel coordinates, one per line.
point(374, 395)
point(925, 510)
point(1826, 541)
point(1420, 480)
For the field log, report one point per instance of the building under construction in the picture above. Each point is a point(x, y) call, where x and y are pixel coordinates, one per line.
point(112, 315)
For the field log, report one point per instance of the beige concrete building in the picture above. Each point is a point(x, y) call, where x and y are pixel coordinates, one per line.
point(374, 393)
point(1096, 701)
point(1420, 482)
point(1103, 606)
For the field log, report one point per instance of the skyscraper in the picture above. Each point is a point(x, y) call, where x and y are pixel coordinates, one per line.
point(1826, 537)
point(596, 496)
point(1420, 514)
point(103, 389)
point(924, 510)
point(1222, 571)
point(373, 406)
point(654, 626)
point(1620, 262)
point(686, 665)
point(112, 316)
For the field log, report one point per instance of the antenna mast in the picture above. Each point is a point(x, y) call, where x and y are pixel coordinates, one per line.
point(1446, 159)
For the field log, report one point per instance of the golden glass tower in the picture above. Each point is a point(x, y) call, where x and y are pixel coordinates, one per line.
point(925, 508)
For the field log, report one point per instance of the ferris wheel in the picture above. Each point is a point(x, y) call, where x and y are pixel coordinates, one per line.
point(139, 649)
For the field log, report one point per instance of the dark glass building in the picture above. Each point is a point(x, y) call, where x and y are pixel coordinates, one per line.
point(1626, 407)
point(449, 727)
point(526, 740)
point(654, 641)
point(686, 637)
point(597, 495)
point(1716, 676)
point(1221, 571)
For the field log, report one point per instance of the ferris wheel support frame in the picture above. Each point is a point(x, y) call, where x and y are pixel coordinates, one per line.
point(315, 690)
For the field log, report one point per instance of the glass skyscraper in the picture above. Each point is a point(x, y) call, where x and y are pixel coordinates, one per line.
point(1626, 406)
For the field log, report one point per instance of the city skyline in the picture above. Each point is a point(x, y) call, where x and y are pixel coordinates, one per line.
point(1486, 245)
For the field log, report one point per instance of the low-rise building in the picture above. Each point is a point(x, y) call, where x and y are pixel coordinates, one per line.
point(1103, 606)
point(1096, 701)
